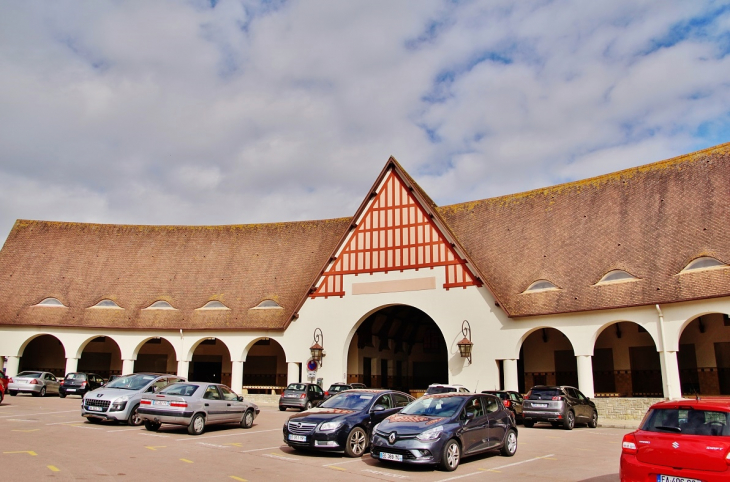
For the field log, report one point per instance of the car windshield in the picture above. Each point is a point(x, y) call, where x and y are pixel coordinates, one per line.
point(131, 382)
point(544, 393)
point(180, 389)
point(76, 376)
point(349, 400)
point(439, 389)
point(434, 406)
point(299, 387)
point(29, 374)
point(338, 388)
point(688, 421)
point(502, 395)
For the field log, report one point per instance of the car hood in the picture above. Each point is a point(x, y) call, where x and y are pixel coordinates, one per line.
point(111, 393)
point(316, 415)
point(410, 424)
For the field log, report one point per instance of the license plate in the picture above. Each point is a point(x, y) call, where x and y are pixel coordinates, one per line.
point(540, 405)
point(387, 456)
point(70, 389)
point(291, 396)
point(92, 408)
point(671, 478)
point(298, 438)
point(161, 402)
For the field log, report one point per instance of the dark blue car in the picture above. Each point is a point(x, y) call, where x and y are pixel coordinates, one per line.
point(344, 422)
point(441, 429)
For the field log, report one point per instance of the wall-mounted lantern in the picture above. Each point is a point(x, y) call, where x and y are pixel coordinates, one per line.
point(465, 345)
point(316, 349)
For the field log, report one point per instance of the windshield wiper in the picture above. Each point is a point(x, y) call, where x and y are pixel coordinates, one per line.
point(669, 429)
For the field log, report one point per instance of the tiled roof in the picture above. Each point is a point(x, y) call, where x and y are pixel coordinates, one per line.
point(81, 264)
point(649, 221)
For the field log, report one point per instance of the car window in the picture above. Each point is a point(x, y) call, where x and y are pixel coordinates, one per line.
point(228, 394)
point(29, 375)
point(490, 404)
point(513, 396)
point(180, 389)
point(463, 390)
point(47, 376)
point(349, 401)
point(434, 406)
point(475, 407)
point(299, 387)
point(543, 393)
point(579, 395)
point(211, 393)
point(688, 421)
point(384, 400)
point(319, 390)
point(400, 399)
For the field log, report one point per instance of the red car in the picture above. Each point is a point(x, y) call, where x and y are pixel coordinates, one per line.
point(3, 386)
point(679, 441)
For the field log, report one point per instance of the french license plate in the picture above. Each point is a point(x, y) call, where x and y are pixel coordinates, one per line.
point(671, 478)
point(540, 405)
point(395, 457)
point(162, 402)
point(70, 389)
point(298, 438)
point(291, 396)
point(92, 408)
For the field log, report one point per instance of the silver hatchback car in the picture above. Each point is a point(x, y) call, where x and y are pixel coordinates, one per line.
point(37, 383)
point(119, 399)
point(196, 404)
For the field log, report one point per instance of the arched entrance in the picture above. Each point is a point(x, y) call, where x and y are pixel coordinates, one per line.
point(704, 356)
point(44, 353)
point(265, 367)
point(211, 362)
point(398, 347)
point(102, 356)
point(546, 358)
point(626, 362)
point(157, 355)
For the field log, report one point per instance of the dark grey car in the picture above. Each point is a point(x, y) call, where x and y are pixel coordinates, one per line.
point(441, 429)
point(301, 395)
point(562, 406)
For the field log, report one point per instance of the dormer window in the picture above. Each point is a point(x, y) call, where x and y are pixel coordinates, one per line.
point(704, 262)
point(616, 275)
point(160, 305)
point(106, 304)
point(214, 305)
point(268, 304)
point(51, 302)
point(541, 285)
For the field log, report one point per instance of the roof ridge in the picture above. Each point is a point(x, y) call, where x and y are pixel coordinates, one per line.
point(34, 222)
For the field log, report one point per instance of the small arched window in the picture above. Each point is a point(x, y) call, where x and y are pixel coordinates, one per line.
point(541, 285)
point(214, 305)
point(160, 305)
point(616, 275)
point(268, 304)
point(106, 304)
point(703, 263)
point(51, 302)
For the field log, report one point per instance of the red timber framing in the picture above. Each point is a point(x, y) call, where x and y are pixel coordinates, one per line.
point(395, 233)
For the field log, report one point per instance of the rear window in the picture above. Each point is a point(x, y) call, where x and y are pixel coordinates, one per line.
point(349, 401)
point(544, 393)
point(29, 374)
point(299, 387)
point(76, 376)
point(180, 389)
point(688, 421)
point(502, 395)
point(338, 388)
point(439, 389)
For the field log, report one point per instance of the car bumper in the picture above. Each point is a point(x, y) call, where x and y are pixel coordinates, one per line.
point(24, 388)
point(328, 441)
point(106, 414)
point(542, 416)
point(73, 391)
point(293, 402)
point(632, 470)
point(411, 451)
point(164, 416)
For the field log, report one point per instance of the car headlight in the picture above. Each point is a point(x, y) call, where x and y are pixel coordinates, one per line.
point(329, 426)
point(430, 434)
point(122, 399)
point(375, 428)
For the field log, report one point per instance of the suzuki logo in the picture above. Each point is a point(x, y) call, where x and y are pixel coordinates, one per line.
point(675, 445)
point(391, 437)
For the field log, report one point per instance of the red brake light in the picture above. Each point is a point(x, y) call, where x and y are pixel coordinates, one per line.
point(326, 394)
point(506, 403)
point(628, 446)
point(303, 395)
point(83, 384)
point(179, 404)
point(34, 382)
point(558, 398)
point(61, 382)
point(145, 402)
point(727, 458)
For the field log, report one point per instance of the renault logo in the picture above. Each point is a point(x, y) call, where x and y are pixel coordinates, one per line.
point(391, 437)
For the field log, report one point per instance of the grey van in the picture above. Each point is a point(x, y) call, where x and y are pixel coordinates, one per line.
point(120, 398)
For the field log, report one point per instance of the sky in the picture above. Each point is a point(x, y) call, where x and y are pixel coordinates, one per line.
point(239, 111)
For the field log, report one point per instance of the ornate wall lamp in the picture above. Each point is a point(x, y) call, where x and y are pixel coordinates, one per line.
point(316, 349)
point(465, 344)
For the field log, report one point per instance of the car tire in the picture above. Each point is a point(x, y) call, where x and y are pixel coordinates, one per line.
point(197, 424)
point(2, 397)
point(42, 393)
point(357, 442)
point(134, 420)
point(569, 421)
point(62, 394)
point(594, 420)
point(509, 447)
point(247, 420)
point(12, 394)
point(93, 420)
point(152, 426)
point(528, 423)
point(450, 456)
point(308, 405)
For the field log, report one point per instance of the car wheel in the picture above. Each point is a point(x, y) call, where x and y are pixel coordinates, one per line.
point(12, 394)
point(197, 424)
point(357, 442)
point(42, 393)
point(510, 444)
point(282, 409)
point(152, 426)
point(62, 394)
point(594, 420)
point(450, 456)
point(569, 421)
point(528, 423)
point(247, 421)
point(134, 420)
point(308, 405)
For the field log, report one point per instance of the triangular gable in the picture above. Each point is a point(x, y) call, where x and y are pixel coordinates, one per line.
point(395, 232)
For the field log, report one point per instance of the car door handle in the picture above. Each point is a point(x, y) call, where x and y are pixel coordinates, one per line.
point(207, 405)
point(229, 404)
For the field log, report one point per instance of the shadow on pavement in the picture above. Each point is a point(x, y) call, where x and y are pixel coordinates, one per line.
point(602, 478)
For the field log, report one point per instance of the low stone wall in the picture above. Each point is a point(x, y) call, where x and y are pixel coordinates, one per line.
point(261, 399)
point(624, 408)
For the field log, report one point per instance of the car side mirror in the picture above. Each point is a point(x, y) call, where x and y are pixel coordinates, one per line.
point(240, 398)
point(378, 408)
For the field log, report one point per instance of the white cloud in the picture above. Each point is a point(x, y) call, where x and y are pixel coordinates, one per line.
point(177, 113)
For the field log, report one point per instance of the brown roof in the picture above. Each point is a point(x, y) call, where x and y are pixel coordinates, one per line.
point(650, 221)
point(187, 266)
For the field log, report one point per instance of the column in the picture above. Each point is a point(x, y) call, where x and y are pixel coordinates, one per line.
point(127, 367)
point(183, 369)
point(11, 368)
point(72, 365)
point(670, 375)
point(509, 370)
point(585, 375)
point(236, 376)
point(292, 373)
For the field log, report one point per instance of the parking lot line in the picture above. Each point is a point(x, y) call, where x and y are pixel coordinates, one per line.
point(386, 474)
point(42, 413)
point(498, 468)
point(281, 457)
point(237, 478)
point(227, 435)
point(340, 463)
point(53, 468)
point(334, 467)
point(31, 430)
point(29, 452)
point(187, 461)
point(123, 430)
point(63, 423)
point(257, 450)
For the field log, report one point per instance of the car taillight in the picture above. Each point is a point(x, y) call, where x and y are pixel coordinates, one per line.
point(145, 402)
point(326, 394)
point(303, 395)
point(179, 404)
point(506, 403)
point(83, 384)
point(61, 382)
point(558, 398)
point(727, 458)
point(628, 446)
point(34, 382)
point(10, 380)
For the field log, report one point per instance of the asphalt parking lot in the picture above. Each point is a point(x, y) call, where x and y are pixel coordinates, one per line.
point(46, 438)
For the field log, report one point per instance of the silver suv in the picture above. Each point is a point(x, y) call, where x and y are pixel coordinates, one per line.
point(120, 399)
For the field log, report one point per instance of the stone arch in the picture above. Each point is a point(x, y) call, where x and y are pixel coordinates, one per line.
point(27, 341)
point(95, 361)
point(213, 363)
point(703, 354)
point(265, 364)
point(39, 352)
point(549, 360)
point(144, 340)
